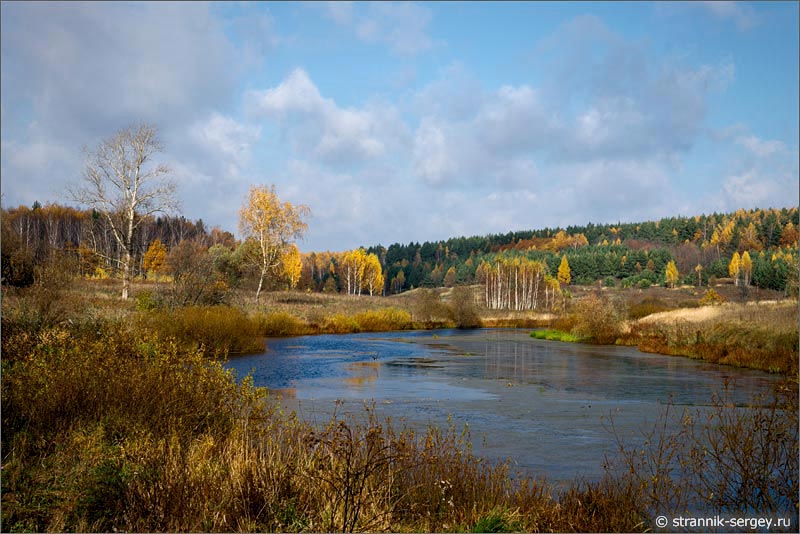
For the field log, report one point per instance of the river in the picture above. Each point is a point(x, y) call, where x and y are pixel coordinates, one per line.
point(545, 405)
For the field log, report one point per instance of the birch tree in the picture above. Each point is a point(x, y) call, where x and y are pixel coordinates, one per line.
point(122, 182)
point(272, 225)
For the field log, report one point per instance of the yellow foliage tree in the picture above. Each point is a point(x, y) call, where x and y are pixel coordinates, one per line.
point(672, 273)
point(292, 265)
point(155, 259)
point(373, 274)
point(273, 225)
point(746, 268)
point(733, 268)
point(563, 271)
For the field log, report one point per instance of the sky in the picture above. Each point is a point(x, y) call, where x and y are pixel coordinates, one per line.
point(400, 122)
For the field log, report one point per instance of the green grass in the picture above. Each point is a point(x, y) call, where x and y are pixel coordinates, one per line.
point(556, 335)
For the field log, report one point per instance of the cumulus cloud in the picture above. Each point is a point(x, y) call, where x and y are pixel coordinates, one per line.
point(317, 125)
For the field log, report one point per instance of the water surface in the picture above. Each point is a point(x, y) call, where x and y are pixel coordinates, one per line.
point(546, 405)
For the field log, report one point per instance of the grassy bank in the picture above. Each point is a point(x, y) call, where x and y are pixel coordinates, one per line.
point(111, 423)
point(756, 335)
point(550, 334)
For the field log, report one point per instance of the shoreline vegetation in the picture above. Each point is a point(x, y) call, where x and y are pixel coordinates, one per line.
point(120, 416)
point(89, 446)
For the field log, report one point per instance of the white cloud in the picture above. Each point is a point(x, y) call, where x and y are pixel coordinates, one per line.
point(402, 26)
point(225, 135)
point(759, 147)
point(317, 125)
point(749, 189)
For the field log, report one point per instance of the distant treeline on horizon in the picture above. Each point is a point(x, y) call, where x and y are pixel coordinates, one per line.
point(625, 254)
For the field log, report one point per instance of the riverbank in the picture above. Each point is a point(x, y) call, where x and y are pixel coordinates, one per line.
point(114, 422)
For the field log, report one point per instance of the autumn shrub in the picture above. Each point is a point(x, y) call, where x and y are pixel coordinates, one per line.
point(281, 324)
point(599, 318)
point(711, 298)
point(215, 331)
point(383, 320)
point(341, 324)
point(463, 309)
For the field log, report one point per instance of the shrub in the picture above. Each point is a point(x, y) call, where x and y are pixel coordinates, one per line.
point(724, 459)
point(341, 324)
point(711, 298)
point(215, 331)
point(383, 320)
point(277, 324)
point(462, 303)
point(598, 318)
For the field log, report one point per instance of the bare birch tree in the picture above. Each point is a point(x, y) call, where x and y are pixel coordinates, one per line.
point(122, 182)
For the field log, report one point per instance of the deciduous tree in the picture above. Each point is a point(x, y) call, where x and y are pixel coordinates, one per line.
point(292, 265)
point(122, 182)
point(746, 268)
point(733, 268)
point(563, 271)
point(671, 273)
point(273, 225)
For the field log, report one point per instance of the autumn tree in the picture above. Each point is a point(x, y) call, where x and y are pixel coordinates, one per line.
point(671, 274)
point(699, 270)
point(352, 268)
point(122, 182)
point(272, 225)
point(373, 274)
point(292, 265)
point(155, 258)
point(734, 267)
point(746, 268)
point(450, 277)
point(563, 271)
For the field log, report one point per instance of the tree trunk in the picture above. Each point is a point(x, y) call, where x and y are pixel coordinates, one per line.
point(126, 275)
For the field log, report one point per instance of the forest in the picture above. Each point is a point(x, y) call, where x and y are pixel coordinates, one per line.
point(702, 249)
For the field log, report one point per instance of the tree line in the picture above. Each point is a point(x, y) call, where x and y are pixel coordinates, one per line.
point(129, 229)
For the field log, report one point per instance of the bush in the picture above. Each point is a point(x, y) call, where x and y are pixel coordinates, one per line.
point(711, 298)
point(215, 331)
point(598, 318)
point(341, 324)
point(384, 320)
point(462, 303)
point(279, 324)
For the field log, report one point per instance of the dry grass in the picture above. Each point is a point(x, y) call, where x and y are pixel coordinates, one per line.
point(108, 425)
point(760, 335)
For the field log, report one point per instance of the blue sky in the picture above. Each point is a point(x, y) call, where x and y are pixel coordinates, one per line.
point(398, 122)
